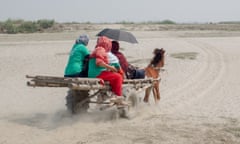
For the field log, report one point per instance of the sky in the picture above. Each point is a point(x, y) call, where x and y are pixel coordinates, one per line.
point(100, 11)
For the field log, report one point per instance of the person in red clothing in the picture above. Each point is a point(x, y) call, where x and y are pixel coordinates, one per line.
point(100, 67)
point(122, 59)
point(130, 71)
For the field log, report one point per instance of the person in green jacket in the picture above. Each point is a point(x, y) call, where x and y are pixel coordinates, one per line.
point(76, 66)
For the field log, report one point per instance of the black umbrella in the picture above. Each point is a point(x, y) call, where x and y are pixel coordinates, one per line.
point(118, 35)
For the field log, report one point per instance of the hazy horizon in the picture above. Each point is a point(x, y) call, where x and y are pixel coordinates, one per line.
point(113, 11)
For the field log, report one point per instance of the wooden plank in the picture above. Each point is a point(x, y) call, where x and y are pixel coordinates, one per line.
point(83, 83)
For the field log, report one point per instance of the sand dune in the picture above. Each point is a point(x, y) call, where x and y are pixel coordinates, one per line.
point(200, 91)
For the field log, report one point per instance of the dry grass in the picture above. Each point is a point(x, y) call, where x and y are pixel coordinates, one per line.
point(185, 55)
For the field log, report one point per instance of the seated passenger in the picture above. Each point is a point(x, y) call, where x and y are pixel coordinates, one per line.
point(130, 71)
point(79, 52)
point(99, 67)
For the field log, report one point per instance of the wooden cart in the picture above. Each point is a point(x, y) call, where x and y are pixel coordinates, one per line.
point(85, 91)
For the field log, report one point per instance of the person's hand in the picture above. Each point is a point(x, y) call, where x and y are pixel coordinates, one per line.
point(107, 66)
point(112, 68)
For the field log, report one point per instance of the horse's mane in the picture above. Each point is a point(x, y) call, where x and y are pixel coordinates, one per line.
point(158, 56)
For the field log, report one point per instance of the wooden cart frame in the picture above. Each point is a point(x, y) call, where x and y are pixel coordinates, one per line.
point(83, 91)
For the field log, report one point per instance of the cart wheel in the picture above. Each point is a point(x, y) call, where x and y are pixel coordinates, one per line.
point(130, 110)
point(74, 99)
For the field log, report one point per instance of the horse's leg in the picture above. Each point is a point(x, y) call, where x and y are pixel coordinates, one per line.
point(158, 91)
point(154, 90)
point(147, 93)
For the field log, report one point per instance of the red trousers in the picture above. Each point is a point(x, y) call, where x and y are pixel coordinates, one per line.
point(115, 80)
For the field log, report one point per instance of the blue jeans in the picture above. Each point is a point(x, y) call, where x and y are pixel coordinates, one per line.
point(140, 74)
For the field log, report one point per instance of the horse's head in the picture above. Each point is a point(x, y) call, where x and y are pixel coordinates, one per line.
point(158, 59)
point(158, 51)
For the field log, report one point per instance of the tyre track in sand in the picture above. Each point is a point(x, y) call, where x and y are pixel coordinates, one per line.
point(211, 70)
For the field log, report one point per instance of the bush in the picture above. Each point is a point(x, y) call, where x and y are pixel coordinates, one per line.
point(45, 23)
point(162, 22)
point(168, 22)
point(21, 26)
point(9, 27)
point(28, 27)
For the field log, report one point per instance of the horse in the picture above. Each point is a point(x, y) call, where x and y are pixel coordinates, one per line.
point(152, 71)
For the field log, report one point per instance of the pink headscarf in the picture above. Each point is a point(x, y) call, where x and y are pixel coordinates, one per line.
point(103, 46)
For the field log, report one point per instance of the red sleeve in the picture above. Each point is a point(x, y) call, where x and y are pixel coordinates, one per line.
point(101, 56)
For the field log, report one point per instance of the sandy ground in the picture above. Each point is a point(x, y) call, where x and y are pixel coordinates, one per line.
point(200, 92)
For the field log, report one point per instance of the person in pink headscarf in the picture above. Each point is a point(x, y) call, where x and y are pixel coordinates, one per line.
point(99, 66)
